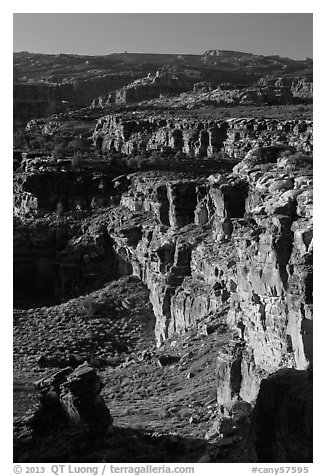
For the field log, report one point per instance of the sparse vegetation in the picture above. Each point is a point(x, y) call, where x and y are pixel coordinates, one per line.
point(183, 278)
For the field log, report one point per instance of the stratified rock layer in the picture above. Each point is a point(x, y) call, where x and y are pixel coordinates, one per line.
point(137, 134)
point(229, 252)
point(234, 248)
point(224, 253)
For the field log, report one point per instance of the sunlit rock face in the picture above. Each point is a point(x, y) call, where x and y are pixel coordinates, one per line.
point(217, 226)
point(234, 248)
point(236, 137)
point(229, 248)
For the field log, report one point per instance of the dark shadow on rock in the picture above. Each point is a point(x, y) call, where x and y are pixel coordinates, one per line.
point(282, 422)
point(125, 445)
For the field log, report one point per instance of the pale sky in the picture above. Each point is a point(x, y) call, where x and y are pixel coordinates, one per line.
point(285, 34)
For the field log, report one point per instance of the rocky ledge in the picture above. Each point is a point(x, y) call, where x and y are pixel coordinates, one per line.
point(226, 257)
point(138, 133)
point(234, 249)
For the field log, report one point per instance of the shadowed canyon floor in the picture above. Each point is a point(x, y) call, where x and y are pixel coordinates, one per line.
point(146, 398)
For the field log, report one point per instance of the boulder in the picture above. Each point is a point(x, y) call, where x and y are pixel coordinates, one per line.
point(71, 399)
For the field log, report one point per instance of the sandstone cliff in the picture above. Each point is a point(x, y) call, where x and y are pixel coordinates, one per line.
point(137, 133)
point(232, 249)
point(174, 253)
point(207, 261)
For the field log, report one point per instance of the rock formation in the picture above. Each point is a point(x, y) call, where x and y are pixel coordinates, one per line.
point(206, 255)
point(162, 82)
point(43, 85)
point(236, 245)
point(72, 398)
point(212, 216)
point(137, 134)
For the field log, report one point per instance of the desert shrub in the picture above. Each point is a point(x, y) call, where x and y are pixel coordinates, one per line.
point(137, 162)
point(76, 161)
point(132, 162)
point(37, 142)
point(154, 154)
point(114, 160)
point(59, 151)
point(180, 155)
point(60, 209)
point(78, 147)
point(20, 140)
point(299, 159)
point(151, 161)
point(221, 157)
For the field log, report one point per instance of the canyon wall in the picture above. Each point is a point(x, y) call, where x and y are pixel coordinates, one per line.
point(216, 223)
point(229, 250)
point(59, 254)
point(233, 250)
point(40, 99)
point(136, 134)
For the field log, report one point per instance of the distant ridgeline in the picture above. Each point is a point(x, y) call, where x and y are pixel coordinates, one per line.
point(48, 84)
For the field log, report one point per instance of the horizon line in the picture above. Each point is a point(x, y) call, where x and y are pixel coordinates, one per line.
point(161, 54)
